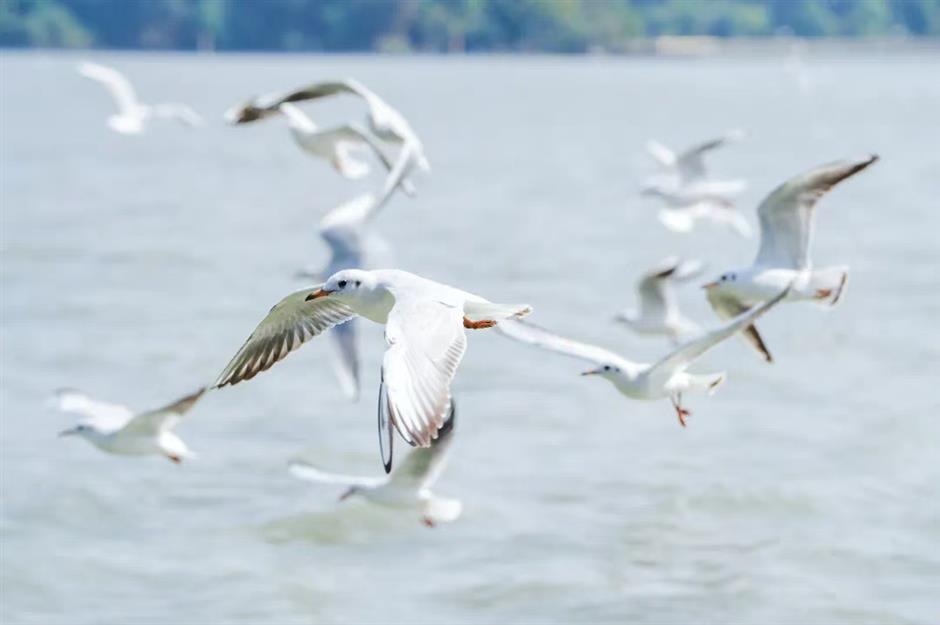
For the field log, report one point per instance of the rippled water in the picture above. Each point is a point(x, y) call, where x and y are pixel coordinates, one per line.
point(806, 491)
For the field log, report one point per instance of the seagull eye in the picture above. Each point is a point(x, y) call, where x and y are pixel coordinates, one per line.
point(606, 367)
point(341, 284)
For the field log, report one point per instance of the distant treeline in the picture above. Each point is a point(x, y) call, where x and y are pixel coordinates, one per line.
point(442, 25)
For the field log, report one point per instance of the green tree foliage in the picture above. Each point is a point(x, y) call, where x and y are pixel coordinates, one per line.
point(442, 25)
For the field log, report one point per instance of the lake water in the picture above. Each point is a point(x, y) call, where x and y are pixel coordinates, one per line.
point(134, 267)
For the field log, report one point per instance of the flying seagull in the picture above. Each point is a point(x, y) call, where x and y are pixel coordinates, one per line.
point(132, 113)
point(658, 308)
point(116, 429)
point(424, 330)
point(408, 486)
point(786, 232)
point(667, 378)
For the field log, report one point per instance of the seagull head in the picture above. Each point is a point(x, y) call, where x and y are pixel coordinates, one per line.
point(605, 370)
point(247, 112)
point(724, 281)
point(83, 430)
point(347, 286)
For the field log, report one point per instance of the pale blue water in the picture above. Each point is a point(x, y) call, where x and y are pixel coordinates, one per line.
point(806, 491)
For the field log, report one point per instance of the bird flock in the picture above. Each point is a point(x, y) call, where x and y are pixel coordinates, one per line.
point(426, 321)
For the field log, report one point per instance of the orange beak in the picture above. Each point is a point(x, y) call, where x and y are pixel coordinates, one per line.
point(317, 294)
point(709, 285)
point(591, 372)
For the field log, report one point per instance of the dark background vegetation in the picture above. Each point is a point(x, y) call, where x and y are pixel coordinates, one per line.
point(443, 25)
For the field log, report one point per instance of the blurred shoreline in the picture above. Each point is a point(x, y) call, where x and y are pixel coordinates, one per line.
point(655, 47)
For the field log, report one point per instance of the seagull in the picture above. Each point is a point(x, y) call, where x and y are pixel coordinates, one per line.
point(424, 330)
point(658, 312)
point(114, 428)
point(687, 170)
point(786, 232)
point(385, 122)
point(409, 485)
point(337, 145)
point(131, 112)
point(665, 378)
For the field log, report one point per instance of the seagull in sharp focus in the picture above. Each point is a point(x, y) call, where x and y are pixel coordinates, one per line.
point(114, 428)
point(409, 484)
point(424, 332)
point(786, 232)
point(666, 378)
point(132, 114)
point(658, 307)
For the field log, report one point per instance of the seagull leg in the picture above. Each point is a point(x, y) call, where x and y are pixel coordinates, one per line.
point(477, 325)
point(174, 458)
point(823, 293)
point(428, 521)
point(681, 412)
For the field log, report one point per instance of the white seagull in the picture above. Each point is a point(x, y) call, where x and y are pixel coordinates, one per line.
point(345, 230)
point(408, 486)
point(384, 121)
point(116, 429)
point(687, 171)
point(424, 329)
point(132, 113)
point(665, 378)
point(786, 232)
point(658, 311)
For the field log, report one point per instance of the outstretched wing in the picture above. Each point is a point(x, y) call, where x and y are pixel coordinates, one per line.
point(426, 343)
point(728, 307)
point(165, 418)
point(682, 356)
point(661, 154)
point(526, 332)
point(115, 82)
point(103, 415)
point(311, 473)
point(291, 322)
point(691, 163)
point(786, 215)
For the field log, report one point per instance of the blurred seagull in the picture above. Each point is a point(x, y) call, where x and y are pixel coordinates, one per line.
point(687, 170)
point(385, 122)
point(665, 378)
point(116, 429)
point(786, 232)
point(424, 329)
point(132, 114)
point(345, 230)
point(658, 312)
point(408, 486)
point(683, 211)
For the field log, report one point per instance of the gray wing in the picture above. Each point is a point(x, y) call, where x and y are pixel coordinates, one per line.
point(728, 307)
point(688, 352)
point(656, 296)
point(165, 418)
point(291, 322)
point(691, 163)
point(786, 215)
